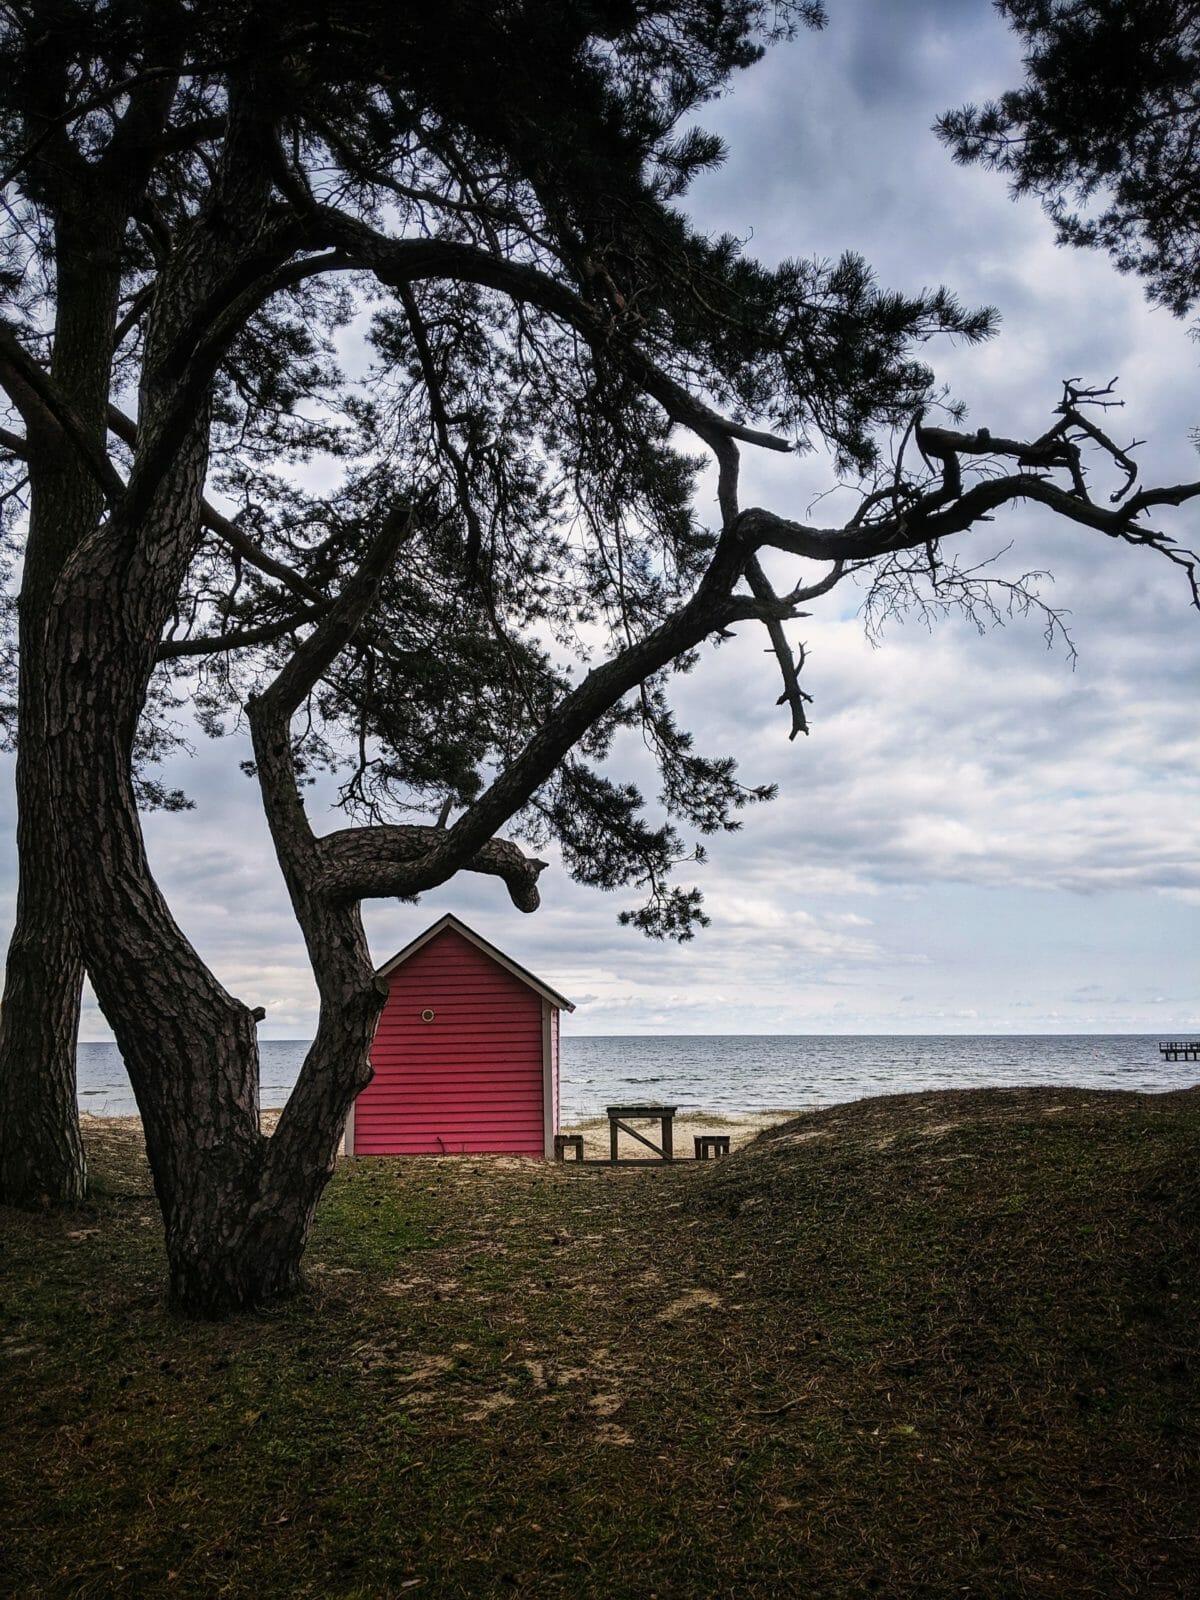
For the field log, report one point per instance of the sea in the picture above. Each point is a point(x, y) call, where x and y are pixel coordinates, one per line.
point(759, 1072)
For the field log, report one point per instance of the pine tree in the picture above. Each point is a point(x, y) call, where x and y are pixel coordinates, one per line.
point(1103, 131)
point(505, 564)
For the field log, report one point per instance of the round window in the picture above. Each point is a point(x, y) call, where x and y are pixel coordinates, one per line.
point(427, 1016)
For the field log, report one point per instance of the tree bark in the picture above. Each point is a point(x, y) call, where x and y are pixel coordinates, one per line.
point(41, 1152)
point(236, 1206)
point(189, 1047)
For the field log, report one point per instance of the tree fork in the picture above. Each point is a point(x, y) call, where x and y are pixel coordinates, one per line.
point(190, 1048)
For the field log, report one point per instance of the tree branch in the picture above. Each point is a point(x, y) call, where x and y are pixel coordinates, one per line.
point(235, 256)
point(793, 695)
point(238, 639)
point(270, 717)
point(46, 410)
point(339, 624)
point(920, 515)
point(441, 423)
point(236, 538)
point(55, 127)
point(399, 262)
point(374, 863)
point(138, 307)
point(712, 607)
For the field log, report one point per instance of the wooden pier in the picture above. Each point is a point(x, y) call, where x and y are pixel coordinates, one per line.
point(1180, 1050)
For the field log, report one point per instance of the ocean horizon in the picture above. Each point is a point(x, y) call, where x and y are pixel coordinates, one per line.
point(733, 1073)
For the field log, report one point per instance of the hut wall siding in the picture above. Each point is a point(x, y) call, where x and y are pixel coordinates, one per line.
point(471, 1081)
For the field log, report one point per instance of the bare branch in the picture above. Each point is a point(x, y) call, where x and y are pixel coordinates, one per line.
point(789, 666)
point(1073, 399)
point(977, 593)
point(917, 515)
point(813, 591)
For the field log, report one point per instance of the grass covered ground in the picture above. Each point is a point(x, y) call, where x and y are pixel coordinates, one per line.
point(929, 1345)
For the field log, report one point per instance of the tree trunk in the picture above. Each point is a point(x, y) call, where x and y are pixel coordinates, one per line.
point(236, 1207)
point(237, 1230)
point(41, 1153)
point(235, 1222)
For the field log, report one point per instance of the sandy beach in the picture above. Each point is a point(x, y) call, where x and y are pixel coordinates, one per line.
point(740, 1129)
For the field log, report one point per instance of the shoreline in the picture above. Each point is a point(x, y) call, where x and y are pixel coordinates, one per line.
point(756, 1075)
point(741, 1128)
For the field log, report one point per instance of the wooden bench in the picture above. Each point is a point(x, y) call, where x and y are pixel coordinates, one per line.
point(619, 1116)
point(562, 1140)
point(711, 1144)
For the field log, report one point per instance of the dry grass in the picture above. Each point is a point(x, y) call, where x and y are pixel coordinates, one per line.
point(931, 1345)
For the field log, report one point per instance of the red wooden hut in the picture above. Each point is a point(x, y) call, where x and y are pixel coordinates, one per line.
point(465, 1054)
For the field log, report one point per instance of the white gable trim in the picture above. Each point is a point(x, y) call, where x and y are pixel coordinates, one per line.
point(548, 1127)
point(457, 926)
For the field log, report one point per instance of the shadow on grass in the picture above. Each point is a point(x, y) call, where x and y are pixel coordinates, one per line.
point(932, 1345)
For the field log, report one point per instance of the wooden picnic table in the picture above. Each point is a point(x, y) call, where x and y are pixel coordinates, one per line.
point(620, 1116)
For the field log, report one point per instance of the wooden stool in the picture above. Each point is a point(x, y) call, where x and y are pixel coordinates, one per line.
point(714, 1144)
point(562, 1140)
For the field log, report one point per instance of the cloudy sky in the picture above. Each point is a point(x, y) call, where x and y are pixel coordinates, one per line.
point(976, 836)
